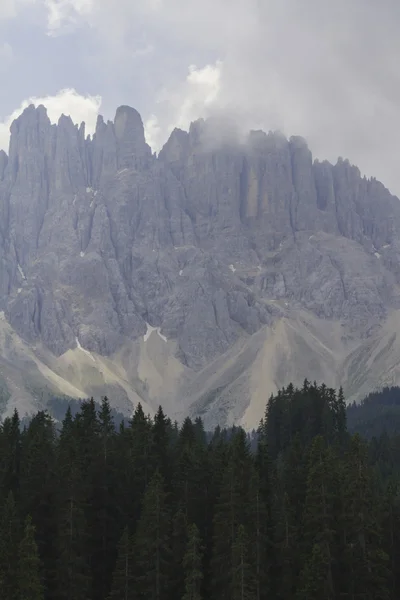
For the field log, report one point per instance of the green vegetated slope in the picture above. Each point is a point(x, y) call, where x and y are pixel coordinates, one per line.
point(378, 412)
point(152, 510)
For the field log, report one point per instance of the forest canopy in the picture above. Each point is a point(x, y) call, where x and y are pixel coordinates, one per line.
point(304, 509)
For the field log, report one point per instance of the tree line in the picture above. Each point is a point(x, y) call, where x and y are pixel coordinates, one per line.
point(150, 510)
point(379, 411)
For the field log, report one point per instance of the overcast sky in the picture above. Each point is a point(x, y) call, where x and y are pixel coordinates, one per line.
point(326, 70)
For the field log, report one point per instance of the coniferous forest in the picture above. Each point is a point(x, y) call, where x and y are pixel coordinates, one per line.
point(152, 511)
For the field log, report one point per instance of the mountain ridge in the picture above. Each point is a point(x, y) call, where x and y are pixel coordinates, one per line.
point(204, 278)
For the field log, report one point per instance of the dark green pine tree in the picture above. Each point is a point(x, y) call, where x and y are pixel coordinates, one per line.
point(263, 487)
point(37, 491)
point(192, 565)
point(123, 579)
point(276, 423)
point(214, 470)
point(105, 507)
point(364, 564)
point(73, 570)
point(161, 449)
point(10, 456)
point(340, 415)
point(89, 442)
point(200, 432)
point(152, 544)
point(319, 520)
point(261, 552)
point(190, 482)
point(138, 466)
point(29, 582)
point(391, 531)
point(243, 580)
point(87, 432)
point(178, 548)
point(9, 549)
point(232, 509)
point(288, 506)
point(286, 547)
point(313, 579)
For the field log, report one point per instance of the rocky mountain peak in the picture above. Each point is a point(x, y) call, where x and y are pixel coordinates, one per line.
point(202, 278)
point(30, 141)
point(132, 150)
point(176, 147)
point(30, 127)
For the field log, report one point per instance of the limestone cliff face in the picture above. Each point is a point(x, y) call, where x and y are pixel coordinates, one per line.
point(210, 242)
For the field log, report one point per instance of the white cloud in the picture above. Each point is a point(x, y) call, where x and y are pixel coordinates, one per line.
point(64, 14)
point(6, 55)
point(323, 70)
point(202, 90)
point(185, 103)
point(67, 102)
point(10, 8)
point(154, 134)
point(60, 14)
point(326, 70)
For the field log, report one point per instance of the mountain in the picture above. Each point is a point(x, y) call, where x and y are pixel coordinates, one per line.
point(203, 279)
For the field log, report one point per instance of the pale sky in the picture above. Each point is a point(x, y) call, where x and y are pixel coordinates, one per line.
point(328, 71)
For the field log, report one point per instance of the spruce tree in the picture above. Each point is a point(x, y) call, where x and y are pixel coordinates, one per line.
point(73, 569)
point(178, 548)
point(123, 579)
point(243, 572)
point(29, 581)
point(263, 488)
point(233, 508)
point(161, 444)
point(190, 482)
point(192, 565)
point(9, 549)
point(319, 517)
point(139, 464)
point(261, 554)
point(340, 416)
point(391, 532)
point(152, 543)
point(10, 456)
point(288, 510)
point(314, 584)
point(104, 507)
point(37, 490)
point(364, 565)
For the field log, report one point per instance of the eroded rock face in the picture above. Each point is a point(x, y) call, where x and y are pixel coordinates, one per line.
point(210, 241)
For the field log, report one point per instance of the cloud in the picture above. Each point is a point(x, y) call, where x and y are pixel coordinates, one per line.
point(183, 104)
point(67, 102)
point(6, 56)
point(9, 9)
point(62, 15)
point(325, 70)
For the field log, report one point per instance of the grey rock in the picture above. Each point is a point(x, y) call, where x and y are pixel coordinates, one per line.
point(3, 163)
point(212, 241)
point(132, 150)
